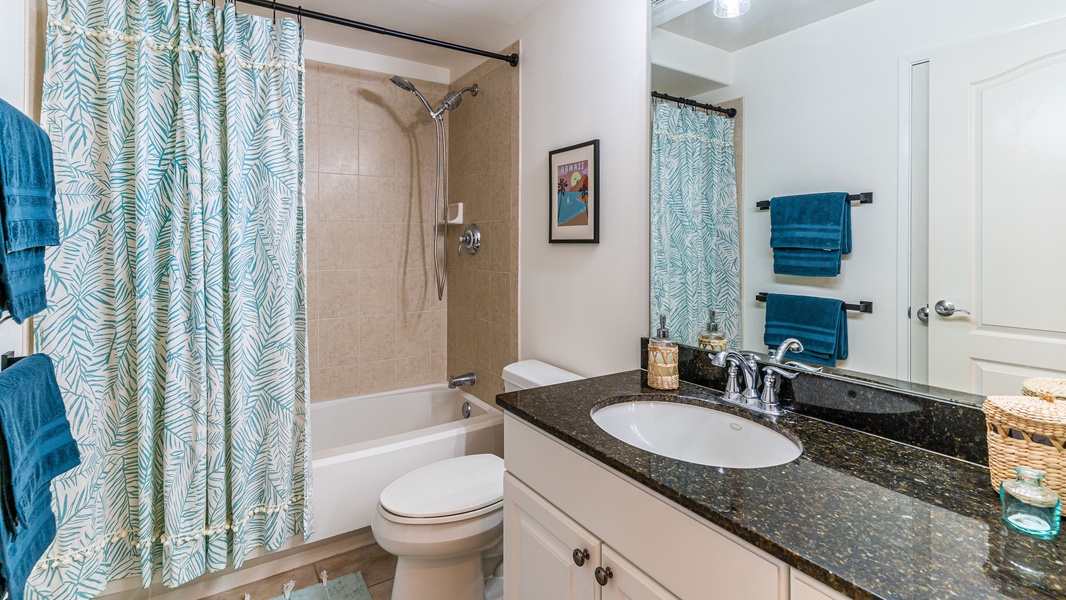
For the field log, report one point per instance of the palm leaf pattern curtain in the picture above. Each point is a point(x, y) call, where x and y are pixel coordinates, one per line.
point(695, 228)
point(177, 297)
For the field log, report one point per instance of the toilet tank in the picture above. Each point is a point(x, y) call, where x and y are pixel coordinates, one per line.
point(527, 374)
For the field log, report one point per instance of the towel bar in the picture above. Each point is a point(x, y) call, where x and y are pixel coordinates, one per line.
point(864, 306)
point(863, 198)
point(8, 358)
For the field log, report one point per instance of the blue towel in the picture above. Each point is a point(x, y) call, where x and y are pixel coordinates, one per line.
point(38, 447)
point(28, 190)
point(22, 291)
point(820, 323)
point(809, 233)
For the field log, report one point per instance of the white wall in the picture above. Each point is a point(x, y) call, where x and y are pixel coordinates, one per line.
point(821, 113)
point(584, 75)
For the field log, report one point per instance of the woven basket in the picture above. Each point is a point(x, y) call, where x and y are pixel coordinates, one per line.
point(662, 368)
point(1024, 431)
point(1035, 386)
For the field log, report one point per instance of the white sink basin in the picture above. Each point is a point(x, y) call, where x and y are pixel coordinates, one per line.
point(696, 434)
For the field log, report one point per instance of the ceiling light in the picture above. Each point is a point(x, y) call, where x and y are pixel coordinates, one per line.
point(727, 9)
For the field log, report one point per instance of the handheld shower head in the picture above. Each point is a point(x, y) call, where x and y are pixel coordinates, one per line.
point(403, 84)
point(407, 86)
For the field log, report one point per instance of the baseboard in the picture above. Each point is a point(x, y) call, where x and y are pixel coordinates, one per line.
point(291, 556)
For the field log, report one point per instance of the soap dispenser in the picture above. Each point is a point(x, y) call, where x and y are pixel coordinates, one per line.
point(662, 359)
point(711, 339)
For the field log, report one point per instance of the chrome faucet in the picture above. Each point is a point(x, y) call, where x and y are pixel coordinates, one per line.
point(462, 380)
point(767, 401)
point(737, 362)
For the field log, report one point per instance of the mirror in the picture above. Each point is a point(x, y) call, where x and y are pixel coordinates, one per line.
point(942, 124)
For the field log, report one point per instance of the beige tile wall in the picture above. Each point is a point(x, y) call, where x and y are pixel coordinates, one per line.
point(483, 173)
point(375, 322)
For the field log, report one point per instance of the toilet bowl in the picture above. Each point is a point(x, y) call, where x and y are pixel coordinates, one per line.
point(444, 521)
point(438, 520)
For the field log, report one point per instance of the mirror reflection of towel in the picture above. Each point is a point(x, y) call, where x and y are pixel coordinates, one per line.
point(809, 233)
point(819, 323)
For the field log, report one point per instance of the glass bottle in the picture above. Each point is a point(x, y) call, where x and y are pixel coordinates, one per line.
point(711, 339)
point(1029, 506)
point(662, 359)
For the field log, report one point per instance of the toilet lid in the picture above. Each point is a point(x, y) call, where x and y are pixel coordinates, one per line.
point(448, 487)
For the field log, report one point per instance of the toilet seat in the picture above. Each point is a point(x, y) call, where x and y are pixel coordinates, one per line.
point(446, 491)
point(384, 512)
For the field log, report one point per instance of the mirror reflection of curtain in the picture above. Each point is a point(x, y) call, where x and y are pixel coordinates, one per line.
point(695, 232)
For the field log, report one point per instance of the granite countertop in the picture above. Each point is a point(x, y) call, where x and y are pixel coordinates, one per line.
point(867, 516)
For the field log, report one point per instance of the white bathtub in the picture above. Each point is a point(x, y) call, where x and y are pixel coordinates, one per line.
point(360, 445)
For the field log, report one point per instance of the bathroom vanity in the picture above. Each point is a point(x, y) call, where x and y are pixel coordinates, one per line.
point(855, 516)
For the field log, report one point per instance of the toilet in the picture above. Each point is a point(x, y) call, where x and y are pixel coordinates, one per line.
point(441, 520)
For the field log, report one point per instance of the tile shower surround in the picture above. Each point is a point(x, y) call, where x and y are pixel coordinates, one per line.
point(483, 175)
point(949, 428)
point(374, 321)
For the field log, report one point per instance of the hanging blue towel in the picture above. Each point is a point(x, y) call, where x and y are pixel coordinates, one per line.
point(28, 191)
point(22, 291)
point(38, 447)
point(809, 233)
point(820, 323)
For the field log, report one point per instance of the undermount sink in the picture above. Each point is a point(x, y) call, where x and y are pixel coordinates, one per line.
point(696, 434)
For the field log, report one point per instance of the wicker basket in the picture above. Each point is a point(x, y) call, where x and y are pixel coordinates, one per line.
point(662, 368)
point(1024, 431)
point(1036, 386)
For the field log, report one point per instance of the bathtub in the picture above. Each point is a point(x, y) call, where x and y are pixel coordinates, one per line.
point(360, 445)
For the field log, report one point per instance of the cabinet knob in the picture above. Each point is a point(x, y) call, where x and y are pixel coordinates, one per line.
point(580, 556)
point(603, 574)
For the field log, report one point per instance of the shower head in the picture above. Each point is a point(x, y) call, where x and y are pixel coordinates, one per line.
point(407, 86)
point(453, 99)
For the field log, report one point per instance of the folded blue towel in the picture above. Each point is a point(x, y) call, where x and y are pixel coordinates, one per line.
point(38, 447)
point(22, 291)
point(28, 190)
point(820, 323)
point(809, 233)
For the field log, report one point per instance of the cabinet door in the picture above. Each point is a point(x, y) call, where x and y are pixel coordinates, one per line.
point(628, 582)
point(539, 546)
point(805, 588)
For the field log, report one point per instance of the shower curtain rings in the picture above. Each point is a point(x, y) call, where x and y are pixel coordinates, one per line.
point(300, 15)
point(274, 7)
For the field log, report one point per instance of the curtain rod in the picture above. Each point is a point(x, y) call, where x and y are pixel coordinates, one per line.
point(729, 112)
point(299, 11)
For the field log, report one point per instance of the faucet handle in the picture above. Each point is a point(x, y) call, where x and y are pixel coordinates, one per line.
point(771, 369)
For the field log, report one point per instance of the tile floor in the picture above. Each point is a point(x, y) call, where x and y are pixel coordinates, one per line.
point(377, 566)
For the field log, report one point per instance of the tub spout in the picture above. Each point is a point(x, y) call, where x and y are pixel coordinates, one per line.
point(462, 380)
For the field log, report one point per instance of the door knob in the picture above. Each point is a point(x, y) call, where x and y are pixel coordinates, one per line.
point(603, 574)
point(946, 308)
point(580, 556)
point(923, 314)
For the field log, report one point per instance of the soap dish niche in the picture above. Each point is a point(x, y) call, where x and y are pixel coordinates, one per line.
point(455, 213)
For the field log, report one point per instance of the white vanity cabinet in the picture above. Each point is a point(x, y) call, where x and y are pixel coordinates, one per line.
point(559, 504)
point(559, 559)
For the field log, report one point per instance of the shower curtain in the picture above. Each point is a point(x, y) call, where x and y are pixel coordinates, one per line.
point(177, 306)
point(695, 229)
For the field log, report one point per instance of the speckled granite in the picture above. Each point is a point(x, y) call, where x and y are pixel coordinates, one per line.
point(869, 517)
point(929, 422)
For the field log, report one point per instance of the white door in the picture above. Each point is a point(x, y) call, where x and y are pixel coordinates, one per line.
point(997, 210)
point(547, 555)
point(623, 581)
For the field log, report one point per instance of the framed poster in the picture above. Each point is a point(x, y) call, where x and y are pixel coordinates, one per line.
point(574, 195)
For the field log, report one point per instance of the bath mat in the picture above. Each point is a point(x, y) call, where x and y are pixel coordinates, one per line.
point(349, 587)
